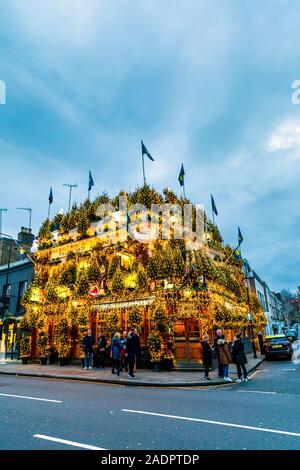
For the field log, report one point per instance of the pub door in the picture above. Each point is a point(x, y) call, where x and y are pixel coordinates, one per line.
point(187, 340)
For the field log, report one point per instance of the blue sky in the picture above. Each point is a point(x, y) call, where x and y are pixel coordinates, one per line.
point(206, 83)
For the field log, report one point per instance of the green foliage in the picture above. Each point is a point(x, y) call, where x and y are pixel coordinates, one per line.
point(114, 264)
point(155, 344)
point(142, 279)
point(45, 230)
point(42, 343)
point(178, 265)
point(214, 231)
point(51, 294)
point(166, 261)
point(65, 223)
point(112, 322)
point(94, 272)
point(171, 197)
point(146, 195)
point(63, 341)
point(73, 216)
point(153, 267)
point(82, 283)
point(160, 319)
point(56, 222)
point(118, 281)
point(68, 275)
point(83, 223)
point(25, 345)
point(135, 318)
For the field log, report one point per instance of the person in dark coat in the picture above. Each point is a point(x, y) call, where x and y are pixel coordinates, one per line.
point(239, 357)
point(216, 350)
point(206, 356)
point(116, 347)
point(133, 350)
point(88, 343)
point(102, 343)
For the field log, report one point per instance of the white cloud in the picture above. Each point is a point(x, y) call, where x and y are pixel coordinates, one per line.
point(286, 137)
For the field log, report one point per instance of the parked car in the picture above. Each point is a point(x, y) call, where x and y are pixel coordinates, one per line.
point(277, 346)
point(291, 334)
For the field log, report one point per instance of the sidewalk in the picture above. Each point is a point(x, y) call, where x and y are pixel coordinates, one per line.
point(144, 377)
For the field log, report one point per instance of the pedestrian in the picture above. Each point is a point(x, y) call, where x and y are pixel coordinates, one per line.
point(88, 343)
point(116, 347)
point(225, 357)
point(206, 356)
point(133, 350)
point(102, 343)
point(216, 350)
point(239, 357)
point(124, 353)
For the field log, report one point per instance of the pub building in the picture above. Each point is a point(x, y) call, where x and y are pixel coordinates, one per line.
point(88, 275)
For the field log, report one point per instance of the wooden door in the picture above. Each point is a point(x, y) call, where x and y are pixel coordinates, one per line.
point(187, 340)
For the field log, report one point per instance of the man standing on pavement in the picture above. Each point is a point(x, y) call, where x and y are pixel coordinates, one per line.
point(133, 350)
point(220, 367)
point(88, 343)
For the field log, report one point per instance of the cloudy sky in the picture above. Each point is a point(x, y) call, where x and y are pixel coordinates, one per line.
point(203, 82)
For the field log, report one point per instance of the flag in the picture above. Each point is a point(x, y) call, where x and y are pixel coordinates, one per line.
point(145, 151)
point(50, 196)
point(240, 236)
point(22, 252)
point(91, 181)
point(181, 175)
point(213, 205)
point(237, 254)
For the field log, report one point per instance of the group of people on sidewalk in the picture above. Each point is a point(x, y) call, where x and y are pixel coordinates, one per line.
point(226, 355)
point(124, 351)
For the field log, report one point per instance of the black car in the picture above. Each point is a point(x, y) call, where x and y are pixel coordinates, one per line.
point(291, 335)
point(277, 346)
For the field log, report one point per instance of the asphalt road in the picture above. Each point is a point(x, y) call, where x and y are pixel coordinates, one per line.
point(260, 414)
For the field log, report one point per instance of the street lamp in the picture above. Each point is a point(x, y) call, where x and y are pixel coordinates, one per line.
point(250, 320)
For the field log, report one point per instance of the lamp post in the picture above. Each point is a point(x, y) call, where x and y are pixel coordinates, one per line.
point(250, 320)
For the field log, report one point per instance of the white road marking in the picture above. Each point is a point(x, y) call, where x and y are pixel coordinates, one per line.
point(29, 398)
point(219, 423)
point(254, 373)
point(256, 391)
point(69, 443)
point(288, 369)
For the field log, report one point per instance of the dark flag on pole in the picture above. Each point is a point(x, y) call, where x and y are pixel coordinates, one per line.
point(240, 236)
point(91, 181)
point(50, 196)
point(181, 175)
point(145, 152)
point(213, 205)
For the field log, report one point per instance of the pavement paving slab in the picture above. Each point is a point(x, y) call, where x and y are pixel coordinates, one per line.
point(143, 377)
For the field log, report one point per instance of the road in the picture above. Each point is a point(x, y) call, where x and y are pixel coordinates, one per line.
point(259, 414)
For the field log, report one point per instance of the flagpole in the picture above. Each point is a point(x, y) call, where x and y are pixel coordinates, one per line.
point(89, 193)
point(144, 177)
point(49, 210)
point(183, 189)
